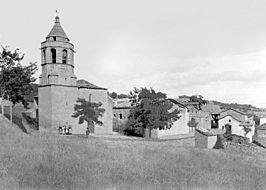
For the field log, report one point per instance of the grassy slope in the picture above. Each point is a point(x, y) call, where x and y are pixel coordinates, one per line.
point(42, 161)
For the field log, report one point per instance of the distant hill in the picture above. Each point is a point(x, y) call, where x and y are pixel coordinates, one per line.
point(241, 107)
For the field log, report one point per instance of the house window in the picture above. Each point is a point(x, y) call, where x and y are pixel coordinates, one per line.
point(54, 38)
point(120, 116)
point(53, 52)
point(114, 115)
point(44, 55)
point(229, 120)
point(64, 56)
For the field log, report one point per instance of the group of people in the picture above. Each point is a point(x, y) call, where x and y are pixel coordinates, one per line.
point(65, 130)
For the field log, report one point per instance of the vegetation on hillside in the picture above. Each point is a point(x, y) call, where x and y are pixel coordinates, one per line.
point(114, 95)
point(47, 161)
point(15, 79)
point(241, 107)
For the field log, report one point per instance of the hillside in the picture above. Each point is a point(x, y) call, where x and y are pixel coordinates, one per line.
point(241, 107)
point(43, 161)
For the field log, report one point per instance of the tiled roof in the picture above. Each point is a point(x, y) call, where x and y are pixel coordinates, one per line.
point(213, 109)
point(57, 30)
point(209, 132)
point(125, 103)
point(237, 115)
point(262, 127)
point(175, 101)
point(85, 84)
point(261, 114)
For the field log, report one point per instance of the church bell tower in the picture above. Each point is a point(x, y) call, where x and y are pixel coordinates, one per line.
point(57, 90)
point(57, 58)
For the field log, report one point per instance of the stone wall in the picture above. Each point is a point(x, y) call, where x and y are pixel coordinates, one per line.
point(100, 95)
point(205, 141)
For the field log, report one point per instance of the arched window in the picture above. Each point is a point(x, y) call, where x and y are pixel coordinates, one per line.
point(64, 56)
point(44, 55)
point(53, 52)
point(120, 116)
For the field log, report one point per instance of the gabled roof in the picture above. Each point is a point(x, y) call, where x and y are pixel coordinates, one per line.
point(85, 84)
point(57, 30)
point(202, 114)
point(213, 109)
point(209, 132)
point(240, 119)
point(236, 114)
point(177, 102)
point(261, 114)
point(235, 110)
point(262, 127)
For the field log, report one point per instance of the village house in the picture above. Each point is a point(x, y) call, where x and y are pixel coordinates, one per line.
point(121, 111)
point(59, 89)
point(262, 117)
point(236, 122)
point(179, 126)
point(205, 116)
point(207, 138)
point(261, 131)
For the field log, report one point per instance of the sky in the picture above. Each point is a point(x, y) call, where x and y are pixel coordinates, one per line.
point(216, 48)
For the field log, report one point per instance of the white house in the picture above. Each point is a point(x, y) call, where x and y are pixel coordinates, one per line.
point(179, 127)
point(237, 122)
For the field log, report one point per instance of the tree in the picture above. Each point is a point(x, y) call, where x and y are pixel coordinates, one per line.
point(15, 79)
point(113, 95)
point(199, 99)
point(88, 111)
point(151, 110)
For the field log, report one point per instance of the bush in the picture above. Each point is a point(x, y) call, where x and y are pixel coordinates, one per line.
point(237, 139)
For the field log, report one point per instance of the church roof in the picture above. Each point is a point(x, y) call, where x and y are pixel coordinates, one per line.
point(85, 84)
point(57, 30)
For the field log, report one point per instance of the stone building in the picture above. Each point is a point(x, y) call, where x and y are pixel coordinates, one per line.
point(121, 111)
point(59, 90)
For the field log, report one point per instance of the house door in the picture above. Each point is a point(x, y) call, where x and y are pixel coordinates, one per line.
point(228, 129)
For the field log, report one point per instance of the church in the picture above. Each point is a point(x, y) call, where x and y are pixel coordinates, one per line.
point(59, 88)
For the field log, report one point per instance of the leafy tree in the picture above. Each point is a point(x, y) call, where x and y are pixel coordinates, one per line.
point(34, 92)
point(113, 95)
point(15, 79)
point(88, 111)
point(199, 99)
point(151, 110)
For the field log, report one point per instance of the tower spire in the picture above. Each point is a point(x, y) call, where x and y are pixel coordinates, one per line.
point(57, 16)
